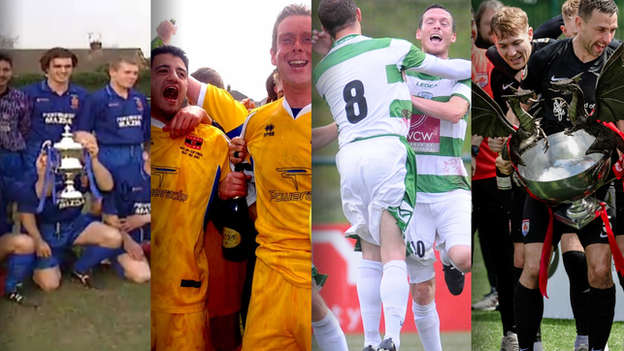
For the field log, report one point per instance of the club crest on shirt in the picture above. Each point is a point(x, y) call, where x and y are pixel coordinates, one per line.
point(193, 142)
point(269, 130)
point(74, 101)
point(525, 227)
point(139, 104)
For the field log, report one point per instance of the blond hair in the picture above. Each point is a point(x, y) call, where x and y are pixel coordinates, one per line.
point(569, 9)
point(509, 21)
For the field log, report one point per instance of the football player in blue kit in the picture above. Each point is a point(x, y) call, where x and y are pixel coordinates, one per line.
point(128, 209)
point(119, 116)
point(57, 227)
point(56, 103)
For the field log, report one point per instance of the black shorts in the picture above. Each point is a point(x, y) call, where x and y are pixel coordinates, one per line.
point(619, 205)
point(517, 209)
point(535, 222)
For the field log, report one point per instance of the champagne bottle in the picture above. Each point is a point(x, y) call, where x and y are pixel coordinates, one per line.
point(156, 42)
point(238, 231)
point(503, 181)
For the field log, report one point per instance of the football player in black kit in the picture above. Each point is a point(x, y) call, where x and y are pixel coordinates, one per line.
point(514, 45)
point(586, 54)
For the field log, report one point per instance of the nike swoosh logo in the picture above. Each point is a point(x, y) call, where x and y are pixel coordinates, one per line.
point(506, 86)
point(593, 349)
point(556, 79)
point(602, 236)
point(524, 349)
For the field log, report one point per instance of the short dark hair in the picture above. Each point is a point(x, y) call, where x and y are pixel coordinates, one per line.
point(336, 15)
point(436, 6)
point(290, 10)
point(270, 87)
point(55, 53)
point(209, 76)
point(6, 57)
point(170, 49)
point(586, 8)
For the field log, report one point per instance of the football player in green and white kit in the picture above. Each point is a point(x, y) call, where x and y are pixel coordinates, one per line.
point(360, 79)
point(443, 202)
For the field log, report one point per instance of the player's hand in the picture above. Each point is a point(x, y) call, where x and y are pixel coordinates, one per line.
point(235, 184)
point(249, 104)
point(503, 166)
point(88, 141)
point(238, 150)
point(496, 144)
point(43, 249)
point(321, 42)
point(131, 223)
point(186, 120)
point(42, 161)
point(134, 250)
point(165, 30)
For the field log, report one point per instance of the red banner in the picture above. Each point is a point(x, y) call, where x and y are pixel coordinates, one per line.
point(333, 254)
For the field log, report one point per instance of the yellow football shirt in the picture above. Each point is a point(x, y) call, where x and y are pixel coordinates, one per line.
point(279, 145)
point(222, 107)
point(185, 177)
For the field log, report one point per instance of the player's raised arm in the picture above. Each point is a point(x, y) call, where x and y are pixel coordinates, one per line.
point(457, 69)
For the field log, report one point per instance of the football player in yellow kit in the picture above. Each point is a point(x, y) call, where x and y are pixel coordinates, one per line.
point(277, 136)
point(186, 173)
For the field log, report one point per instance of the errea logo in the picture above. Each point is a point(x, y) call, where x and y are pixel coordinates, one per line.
point(269, 130)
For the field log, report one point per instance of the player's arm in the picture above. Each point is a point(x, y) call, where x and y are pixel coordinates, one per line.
point(40, 188)
point(452, 110)
point(323, 136)
point(321, 42)
point(103, 178)
point(24, 122)
point(418, 61)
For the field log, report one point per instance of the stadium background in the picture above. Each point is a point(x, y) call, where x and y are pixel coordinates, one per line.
point(331, 252)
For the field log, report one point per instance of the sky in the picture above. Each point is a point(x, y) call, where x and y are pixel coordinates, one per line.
point(42, 24)
point(232, 37)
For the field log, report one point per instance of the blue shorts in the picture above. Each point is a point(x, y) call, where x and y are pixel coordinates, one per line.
point(61, 237)
point(117, 156)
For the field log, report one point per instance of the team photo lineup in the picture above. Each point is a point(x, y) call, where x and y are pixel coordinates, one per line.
point(546, 88)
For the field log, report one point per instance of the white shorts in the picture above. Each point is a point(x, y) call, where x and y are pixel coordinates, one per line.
point(445, 223)
point(373, 177)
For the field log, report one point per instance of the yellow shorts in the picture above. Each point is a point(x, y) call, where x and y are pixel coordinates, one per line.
point(279, 315)
point(180, 332)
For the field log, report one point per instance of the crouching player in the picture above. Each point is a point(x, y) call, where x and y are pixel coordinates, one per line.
point(19, 252)
point(128, 209)
point(60, 226)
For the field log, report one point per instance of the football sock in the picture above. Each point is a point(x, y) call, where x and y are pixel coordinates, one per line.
point(529, 308)
point(600, 313)
point(428, 325)
point(329, 335)
point(394, 296)
point(20, 267)
point(93, 255)
point(368, 287)
point(576, 267)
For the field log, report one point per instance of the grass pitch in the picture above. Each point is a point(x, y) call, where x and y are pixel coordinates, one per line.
point(76, 319)
point(487, 330)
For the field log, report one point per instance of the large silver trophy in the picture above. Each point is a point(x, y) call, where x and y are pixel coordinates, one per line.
point(565, 175)
point(67, 163)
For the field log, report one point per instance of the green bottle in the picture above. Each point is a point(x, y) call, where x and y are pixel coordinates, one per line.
point(156, 42)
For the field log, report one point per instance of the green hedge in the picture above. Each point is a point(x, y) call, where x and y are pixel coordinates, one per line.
point(89, 80)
